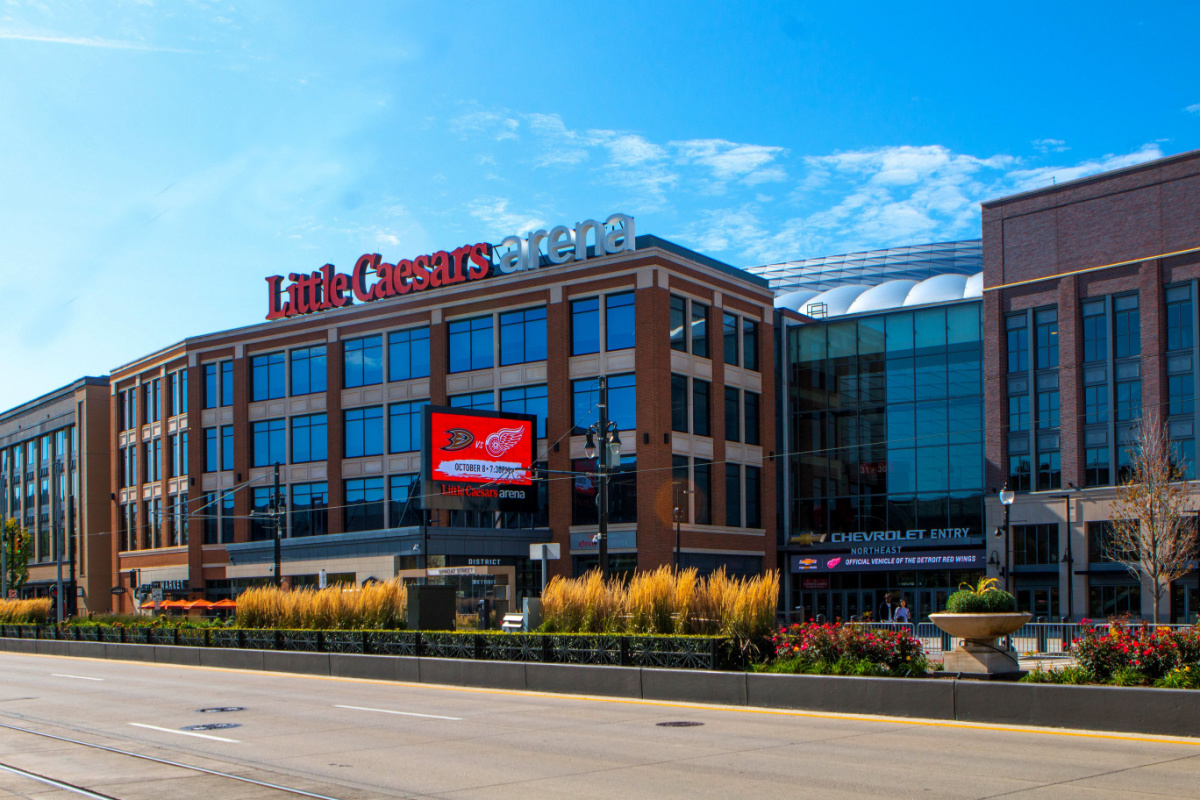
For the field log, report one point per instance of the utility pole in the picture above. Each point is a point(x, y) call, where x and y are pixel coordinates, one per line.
point(603, 475)
point(276, 510)
point(56, 522)
point(4, 533)
point(680, 495)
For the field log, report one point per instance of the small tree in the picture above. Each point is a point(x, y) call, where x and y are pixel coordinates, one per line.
point(16, 553)
point(1153, 534)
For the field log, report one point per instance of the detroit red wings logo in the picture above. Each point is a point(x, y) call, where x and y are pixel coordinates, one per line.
point(503, 440)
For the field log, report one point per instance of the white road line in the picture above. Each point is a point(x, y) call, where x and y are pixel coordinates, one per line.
point(76, 677)
point(401, 713)
point(185, 733)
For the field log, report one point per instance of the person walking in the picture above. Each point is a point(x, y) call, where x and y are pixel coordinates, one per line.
point(902, 613)
point(885, 609)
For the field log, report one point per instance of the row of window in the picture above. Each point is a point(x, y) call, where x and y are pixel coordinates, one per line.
point(162, 524)
point(741, 410)
point(158, 467)
point(150, 404)
point(1038, 545)
point(689, 333)
point(694, 476)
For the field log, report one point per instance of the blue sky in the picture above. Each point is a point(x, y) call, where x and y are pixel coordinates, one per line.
point(157, 160)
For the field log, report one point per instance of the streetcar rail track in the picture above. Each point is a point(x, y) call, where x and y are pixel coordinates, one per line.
point(154, 759)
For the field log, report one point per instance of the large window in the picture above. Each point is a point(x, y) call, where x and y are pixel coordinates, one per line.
point(408, 354)
point(622, 492)
point(679, 403)
point(310, 438)
point(227, 517)
point(1096, 469)
point(527, 400)
point(260, 519)
point(699, 327)
point(364, 361)
point(1018, 413)
point(1095, 331)
point(1127, 331)
point(585, 326)
point(622, 401)
point(226, 383)
point(212, 390)
point(364, 432)
point(268, 377)
point(212, 450)
point(729, 336)
point(268, 443)
point(689, 326)
point(405, 426)
point(308, 370)
point(1035, 545)
point(523, 336)
point(751, 403)
point(1046, 322)
point(310, 509)
point(702, 486)
point(733, 495)
point(753, 497)
point(404, 501)
point(678, 323)
point(1049, 472)
point(212, 521)
point(701, 392)
point(619, 322)
point(1048, 410)
point(1129, 400)
point(471, 344)
point(1018, 343)
point(153, 391)
point(733, 414)
point(1095, 404)
point(1179, 318)
point(364, 504)
point(750, 344)
point(1181, 394)
point(177, 399)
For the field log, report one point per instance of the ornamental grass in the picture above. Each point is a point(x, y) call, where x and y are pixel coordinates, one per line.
point(25, 612)
point(662, 601)
point(376, 606)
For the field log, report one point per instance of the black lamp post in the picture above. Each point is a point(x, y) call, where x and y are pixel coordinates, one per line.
point(274, 511)
point(608, 451)
point(680, 494)
point(1007, 496)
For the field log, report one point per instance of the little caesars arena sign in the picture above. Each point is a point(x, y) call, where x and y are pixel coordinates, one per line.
point(375, 279)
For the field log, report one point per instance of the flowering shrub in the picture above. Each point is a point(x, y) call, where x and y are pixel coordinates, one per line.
point(837, 649)
point(1130, 652)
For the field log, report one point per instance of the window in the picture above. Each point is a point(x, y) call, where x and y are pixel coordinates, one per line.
point(622, 491)
point(1125, 470)
point(310, 438)
point(1095, 331)
point(212, 450)
point(729, 335)
point(523, 336)
point(268, 443)
point(750, 344)
point(701, 391)
point(226, 383)
point(179, 454)
point(1018, 413)
point(753, 497)
point(1101, 549)
point(364, 432)
point(733, 415)
point(1048, 411)
point(1046, 334)
point(268, 377)
point(1018, 343)
point(527, 400)
point(154, 460)
point(178, 521)
point(702, 486)
point(585, 326)
point(405, 430)
point(1129, 400)
point(404, 499)
point(751, 402)
point(177, 393)
point(260, 520)
point(678, 327)
point(679, 403)
point(1019, 473)
point(471, 344)
point(310, 509)
point(308, 370)
point(1180, 394)
point(154, 522)
point(1127, 337)
point(227, 517)
point(680, 483)
point(1183, 457)
point(620, 325)
point(364, 504)
point(1096, 466)
point(364, 361)
point(1035, 545)
point(733, 495)
point(212, 392)
point(211, 517)
point(408, 354)
point(1095, 404)
point(153, 391)
point(480, 401)
point(1179, 318)
point(1049, 472)
point(1114, 601)
point(622, 402)
point(699, 329)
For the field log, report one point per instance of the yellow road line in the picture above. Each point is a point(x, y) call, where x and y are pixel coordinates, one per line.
point(918, 722)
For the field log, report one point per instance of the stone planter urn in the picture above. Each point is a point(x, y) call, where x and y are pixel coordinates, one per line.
point(980, 651)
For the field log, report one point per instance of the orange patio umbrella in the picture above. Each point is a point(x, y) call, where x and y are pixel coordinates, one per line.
point(174, 604)
point(201, 603)
point(226, 603)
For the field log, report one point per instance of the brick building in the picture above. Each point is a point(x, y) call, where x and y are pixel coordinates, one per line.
point(1090, 323)
point(685, 341)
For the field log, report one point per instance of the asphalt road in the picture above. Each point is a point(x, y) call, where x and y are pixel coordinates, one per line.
point(84, 723)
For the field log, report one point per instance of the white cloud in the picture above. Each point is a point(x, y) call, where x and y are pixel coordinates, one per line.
point(88, 41)
point(1194, 108)
point(727, 229)
point(1025, 180)
point(493, 124)
point(1045, 146)
point(749, 163)
point(494, 213)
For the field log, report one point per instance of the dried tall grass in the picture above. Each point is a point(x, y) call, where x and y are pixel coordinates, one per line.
point(377, 606)
point(25, 612)
point(663, 601)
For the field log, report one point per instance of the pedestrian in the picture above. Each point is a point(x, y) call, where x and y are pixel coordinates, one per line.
point(885, 609)
point(902, 613)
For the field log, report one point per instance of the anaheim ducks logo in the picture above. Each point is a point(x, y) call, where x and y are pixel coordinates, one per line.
point(503, 440)
point(459, 439)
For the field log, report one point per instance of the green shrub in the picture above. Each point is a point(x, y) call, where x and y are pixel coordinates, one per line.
point(1128, 676)
point(1039, 675)
point(1182, 678)
point(1073, 675)
point(968, 601)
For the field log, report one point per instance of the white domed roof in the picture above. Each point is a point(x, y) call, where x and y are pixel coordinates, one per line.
point(974, 286)
point(855, 299)
point(882, 297)
point(938, 289)
point(794, 300)
point(834, 302)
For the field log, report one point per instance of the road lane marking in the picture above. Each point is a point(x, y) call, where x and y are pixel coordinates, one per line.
point(185, 733)
point(33, 776)
point(401, 713)
point(75, 677)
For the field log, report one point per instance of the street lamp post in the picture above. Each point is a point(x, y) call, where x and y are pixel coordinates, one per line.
point(1006, 499)
point(604, 444)
point(680, 494)
point(274, 511)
